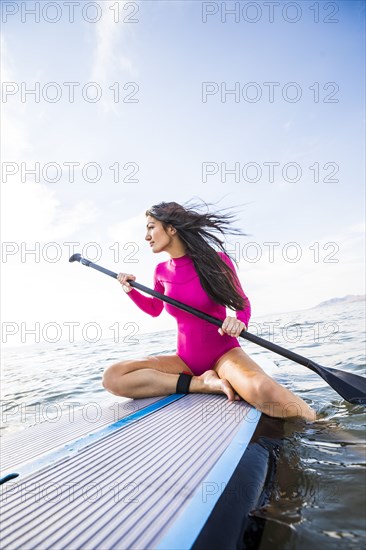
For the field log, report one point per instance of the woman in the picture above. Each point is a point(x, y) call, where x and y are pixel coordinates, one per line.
point(207, 360)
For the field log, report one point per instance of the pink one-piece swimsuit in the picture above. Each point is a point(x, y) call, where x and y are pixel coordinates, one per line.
point(199, 343)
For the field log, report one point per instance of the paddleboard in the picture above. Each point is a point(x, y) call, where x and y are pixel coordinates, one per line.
point(171, 472)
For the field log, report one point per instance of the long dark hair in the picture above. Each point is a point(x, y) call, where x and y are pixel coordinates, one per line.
point(196, 229)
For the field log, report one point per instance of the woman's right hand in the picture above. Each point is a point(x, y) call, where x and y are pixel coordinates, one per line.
point(122, 278)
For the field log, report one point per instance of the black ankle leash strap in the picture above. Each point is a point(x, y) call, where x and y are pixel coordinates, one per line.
point(183, 383)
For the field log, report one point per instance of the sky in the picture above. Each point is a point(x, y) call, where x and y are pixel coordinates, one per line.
point(110, 107)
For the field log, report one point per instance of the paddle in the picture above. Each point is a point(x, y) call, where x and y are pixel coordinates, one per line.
point(350, 386)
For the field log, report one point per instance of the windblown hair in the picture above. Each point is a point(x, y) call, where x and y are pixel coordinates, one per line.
point(196, 230)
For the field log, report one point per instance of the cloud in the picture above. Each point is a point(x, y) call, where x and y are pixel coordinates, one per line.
point(109, 64)
point(128, 229)
point(32, 212)
point(17, 143)
point(333, 266)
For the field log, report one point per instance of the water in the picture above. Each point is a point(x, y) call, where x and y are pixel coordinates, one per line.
point(319, 493)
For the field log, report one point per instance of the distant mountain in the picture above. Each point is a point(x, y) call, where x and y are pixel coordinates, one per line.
point(345, 299)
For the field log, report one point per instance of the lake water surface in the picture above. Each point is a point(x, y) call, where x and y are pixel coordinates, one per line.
point(319, 493)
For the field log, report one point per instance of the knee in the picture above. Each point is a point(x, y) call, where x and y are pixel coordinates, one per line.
point(264, 388)
point(111, 375)
point(107, 378)
point(260, 389)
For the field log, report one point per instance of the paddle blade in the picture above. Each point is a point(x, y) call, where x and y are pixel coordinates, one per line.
point(351, 387)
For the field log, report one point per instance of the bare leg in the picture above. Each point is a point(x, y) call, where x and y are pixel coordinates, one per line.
point(158, 375)
point(259, 389)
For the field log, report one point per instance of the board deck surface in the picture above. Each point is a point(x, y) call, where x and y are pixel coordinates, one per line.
point(147, 473)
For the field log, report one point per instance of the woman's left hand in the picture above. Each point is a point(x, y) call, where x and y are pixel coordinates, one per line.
point(232, 326)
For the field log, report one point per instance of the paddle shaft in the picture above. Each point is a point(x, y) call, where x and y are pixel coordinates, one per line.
point(218, 322)
point(351, 387)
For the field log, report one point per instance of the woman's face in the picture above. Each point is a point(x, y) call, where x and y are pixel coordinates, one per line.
point(158, 238)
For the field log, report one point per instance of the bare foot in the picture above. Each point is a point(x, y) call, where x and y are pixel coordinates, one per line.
point(212, 383)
